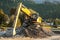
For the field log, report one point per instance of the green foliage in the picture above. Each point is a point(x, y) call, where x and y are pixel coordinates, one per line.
point(46, 10)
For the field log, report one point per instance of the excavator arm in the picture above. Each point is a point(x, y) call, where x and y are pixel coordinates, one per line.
point(26, 11)
point(31, 12)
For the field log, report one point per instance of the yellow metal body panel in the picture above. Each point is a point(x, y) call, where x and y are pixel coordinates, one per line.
point(26, 11)
point(39, 19)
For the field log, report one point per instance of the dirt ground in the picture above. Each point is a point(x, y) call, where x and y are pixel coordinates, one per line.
point(17, 38)
point(27, 38)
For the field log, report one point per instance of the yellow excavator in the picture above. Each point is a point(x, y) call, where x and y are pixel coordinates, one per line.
point(31, 17)
point(30, 14)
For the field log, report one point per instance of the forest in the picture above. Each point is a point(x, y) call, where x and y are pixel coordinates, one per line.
point(46, 10)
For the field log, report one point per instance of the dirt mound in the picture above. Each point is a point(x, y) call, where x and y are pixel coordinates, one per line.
point(32, 31)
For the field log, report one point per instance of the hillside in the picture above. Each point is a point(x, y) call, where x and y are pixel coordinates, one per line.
point(46, 10)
